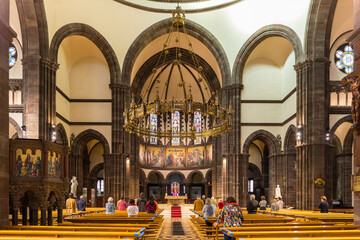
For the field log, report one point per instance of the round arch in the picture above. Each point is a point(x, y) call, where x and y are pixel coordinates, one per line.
point(274, 30)
point(16, 126)
point(191, 174)
point(160, 28)
point(159, 174)
point(347, 118)
point(268, 138)
point(348, 142)
point(93, 35)
point(318, 29)
point(175, 172)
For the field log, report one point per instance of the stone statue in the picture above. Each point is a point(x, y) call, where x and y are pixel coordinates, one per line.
point(355, 103)
point(277, 192)
point(74, 184)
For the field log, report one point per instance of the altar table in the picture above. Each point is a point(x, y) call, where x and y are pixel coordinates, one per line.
point(176, 200)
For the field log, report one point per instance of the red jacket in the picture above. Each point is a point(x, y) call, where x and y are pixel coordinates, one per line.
point(150, 208)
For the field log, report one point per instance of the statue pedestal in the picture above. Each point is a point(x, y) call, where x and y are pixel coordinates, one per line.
point(176, 200)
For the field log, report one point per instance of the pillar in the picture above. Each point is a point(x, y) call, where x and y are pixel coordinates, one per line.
point(15, 217)
point(49, 217)
point(6, 35)
point(34, 216)
point(24, 216)
point(43, 217)
point(60, 215)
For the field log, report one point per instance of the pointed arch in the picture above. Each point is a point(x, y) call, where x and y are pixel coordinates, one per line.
point(61, 136)
point(93, 35)
point(268, 138)
point(160, 28)
point(274, 30)
point(289, 139)
point(16, 126)
point(347, 118)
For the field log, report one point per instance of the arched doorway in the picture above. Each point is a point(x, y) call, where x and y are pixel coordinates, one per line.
point(154, 185)
point(175, 184)
point(196, 185)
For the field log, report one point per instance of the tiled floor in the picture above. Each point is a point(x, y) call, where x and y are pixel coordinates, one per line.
point(166, 232)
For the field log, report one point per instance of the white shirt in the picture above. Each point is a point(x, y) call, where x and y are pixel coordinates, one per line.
point(132, 210)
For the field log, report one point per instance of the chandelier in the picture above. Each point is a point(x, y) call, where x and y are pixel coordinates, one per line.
point(177, 121)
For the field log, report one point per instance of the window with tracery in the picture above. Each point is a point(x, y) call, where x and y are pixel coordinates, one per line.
point(153, 127)
point(197, 124)
point(175, 124)
point(12, 55)
point(344, 58)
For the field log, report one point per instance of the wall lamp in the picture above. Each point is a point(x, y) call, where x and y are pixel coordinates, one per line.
point(299, 133)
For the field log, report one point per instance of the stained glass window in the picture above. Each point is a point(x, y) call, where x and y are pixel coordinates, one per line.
point(175, 124)
point(197, 123)
point(344, 58)
point(12, 55)
point(153, 127)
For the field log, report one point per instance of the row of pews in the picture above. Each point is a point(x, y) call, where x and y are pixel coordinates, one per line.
point(283, 225)
point(92, 225)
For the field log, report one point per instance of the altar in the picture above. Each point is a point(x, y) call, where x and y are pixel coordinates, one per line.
point(176, 200)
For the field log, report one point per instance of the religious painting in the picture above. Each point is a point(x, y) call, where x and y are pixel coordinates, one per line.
point(195, 156)
point(28, 164)
point(175, 157)
point(153, 127)
point(54, 164)
point(142, 155)
point(175, 123)
point(197, 124)
point(155, 156)
point(208, 154)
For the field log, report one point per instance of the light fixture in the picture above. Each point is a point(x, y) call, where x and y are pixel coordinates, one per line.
point(196, 120)
point(327, 134)
point(299, 133)
point(53, 133)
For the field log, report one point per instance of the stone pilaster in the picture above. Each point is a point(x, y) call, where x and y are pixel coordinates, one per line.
point(6, 35)
point(313, 151)
point(47, 106)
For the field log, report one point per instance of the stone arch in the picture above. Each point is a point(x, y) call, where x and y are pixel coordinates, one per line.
point(61, 136)
point(88, 135)
point(255, 169)
point(21, 193)
point(175, 172)
point(347, 118)
point(191, 174)
point(96, 169)
point(160, 28)
point(210, 171)
point(268, 138)
point(318, 30)
point(93, 35)
point(159, 174)
point(288, 141)
point(16, 126)
point(259, 36)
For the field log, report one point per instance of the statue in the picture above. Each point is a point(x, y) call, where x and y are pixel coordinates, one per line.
point(74, 184)
point(277, 192)
point(355, 103)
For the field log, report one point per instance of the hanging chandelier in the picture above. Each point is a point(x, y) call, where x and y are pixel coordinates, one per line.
point(177, 121)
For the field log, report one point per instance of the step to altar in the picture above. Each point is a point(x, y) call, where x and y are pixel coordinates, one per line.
point(175, 211)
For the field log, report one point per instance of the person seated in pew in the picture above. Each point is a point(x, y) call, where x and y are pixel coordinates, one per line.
point(122, 204)
point(150, 205)
point(263, 203)
point(252, 205)
point(281, 203)
point(132, 209)
point(141, 202)
point(274, 205)
point(231, 215)
point(110, 206)
point(198, 204)
point(221, 204)
point(324, 206)
point(70, 204)
point(214, 202)
point(81, 204)
point(208, 211)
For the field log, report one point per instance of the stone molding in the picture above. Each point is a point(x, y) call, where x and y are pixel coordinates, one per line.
point(7, 31)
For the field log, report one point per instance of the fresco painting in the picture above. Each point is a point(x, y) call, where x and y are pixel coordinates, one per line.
point(195, 156)
point(155, 156)
point(54, 164)
point(175, 157)
point(208, 154)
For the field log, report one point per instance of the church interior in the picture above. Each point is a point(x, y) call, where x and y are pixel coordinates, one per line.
point(175, 100)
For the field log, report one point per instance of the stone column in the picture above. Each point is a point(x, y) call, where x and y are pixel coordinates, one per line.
point(15, 216)
point(43, 217)
point(34, 216)
point(49, 216)
point(312, 115)
point(6, 35)
point(24, 216)
point(289, 194)
point(60, 215)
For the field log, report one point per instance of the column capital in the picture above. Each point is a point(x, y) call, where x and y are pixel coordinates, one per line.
point(232, 87)
point(120, 86)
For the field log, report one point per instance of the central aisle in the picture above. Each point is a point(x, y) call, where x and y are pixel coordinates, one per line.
point(173, 226)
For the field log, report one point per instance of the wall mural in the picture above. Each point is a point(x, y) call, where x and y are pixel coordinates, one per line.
point(28, 164)
point(175, 157)
point(54, 164)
